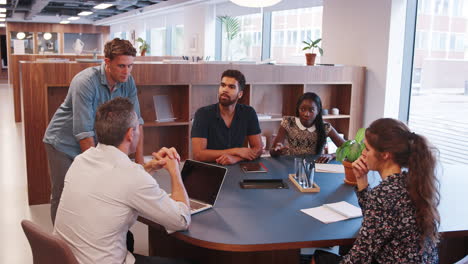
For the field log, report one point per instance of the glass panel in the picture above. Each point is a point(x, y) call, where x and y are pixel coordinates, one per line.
point(177, 40)
point(439, 99)
point(83, 43)
point(247, 45)
point(116, 35)
point(289, 28)
point(47, 43)
point(22, 42)
point(158, 41)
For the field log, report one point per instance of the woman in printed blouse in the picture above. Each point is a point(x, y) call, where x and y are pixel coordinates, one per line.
point(306, 133)
point(400, 214)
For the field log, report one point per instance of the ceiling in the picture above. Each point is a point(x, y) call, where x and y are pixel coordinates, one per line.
point(28, 10)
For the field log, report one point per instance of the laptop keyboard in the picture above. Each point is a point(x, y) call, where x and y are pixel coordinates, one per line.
point(196, 205)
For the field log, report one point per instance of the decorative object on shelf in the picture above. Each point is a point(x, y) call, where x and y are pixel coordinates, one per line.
point(255, 3)
point(324, 111)
point(335, 111)
point(78, 46)
point(312, 45)
point(143, 47)
point(163, 108)
point(232, 29)
point(349, 152)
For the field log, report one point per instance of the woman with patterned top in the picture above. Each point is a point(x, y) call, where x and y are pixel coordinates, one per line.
point(306, 133)
point(400, 214)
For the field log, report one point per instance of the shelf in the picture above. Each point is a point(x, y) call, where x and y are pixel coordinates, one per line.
point(164, 124)
point(336, 116)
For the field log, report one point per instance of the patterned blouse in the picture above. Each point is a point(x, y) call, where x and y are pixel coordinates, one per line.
point(301, 140)
point(389, 233)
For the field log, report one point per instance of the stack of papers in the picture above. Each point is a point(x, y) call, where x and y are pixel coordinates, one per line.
point(334, 212)
point(329, 168)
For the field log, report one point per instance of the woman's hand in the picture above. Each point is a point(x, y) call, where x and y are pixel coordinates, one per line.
point(360, 170)
point(278, 149)
point(325, 158)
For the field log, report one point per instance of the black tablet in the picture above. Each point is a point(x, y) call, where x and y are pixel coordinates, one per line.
point(263, 184)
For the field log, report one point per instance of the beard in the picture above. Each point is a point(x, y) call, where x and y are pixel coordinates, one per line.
point(227, 101)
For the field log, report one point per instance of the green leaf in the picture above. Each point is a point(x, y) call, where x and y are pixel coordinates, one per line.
point(316, 42)
point(360, 134)
point(231, 25)
point(321, 51)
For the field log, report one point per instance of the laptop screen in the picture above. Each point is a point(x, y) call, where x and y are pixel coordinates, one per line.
point(202, 180)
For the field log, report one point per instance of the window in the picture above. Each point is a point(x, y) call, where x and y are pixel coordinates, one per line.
point(421, 40)
point(438, 101)
point(158, 41)
point(177, 47)
point(289, 28)
point(248, 43)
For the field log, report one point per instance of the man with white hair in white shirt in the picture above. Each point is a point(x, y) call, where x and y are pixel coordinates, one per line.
point(105, 192)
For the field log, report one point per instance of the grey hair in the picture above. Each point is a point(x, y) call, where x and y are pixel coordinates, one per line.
point(113, 119)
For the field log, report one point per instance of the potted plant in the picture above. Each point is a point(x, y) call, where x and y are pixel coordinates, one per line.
point(349, 152)
point(232, 30)
point(312, 45)
point(143, 47)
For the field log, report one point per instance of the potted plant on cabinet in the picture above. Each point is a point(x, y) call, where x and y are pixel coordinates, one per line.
point(349, 152)
point(143, 47)
point(312, 45)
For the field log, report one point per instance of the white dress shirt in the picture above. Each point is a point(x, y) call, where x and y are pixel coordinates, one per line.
point(103, 195)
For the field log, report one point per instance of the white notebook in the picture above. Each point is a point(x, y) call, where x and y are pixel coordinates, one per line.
point(334, 212)
point(329, 168)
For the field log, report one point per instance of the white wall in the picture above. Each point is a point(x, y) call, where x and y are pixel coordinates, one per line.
point(357, 33)
point(199, 30)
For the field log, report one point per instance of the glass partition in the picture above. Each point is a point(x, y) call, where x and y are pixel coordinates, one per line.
point(21, 42)
point(47, 43)
point(83, 43)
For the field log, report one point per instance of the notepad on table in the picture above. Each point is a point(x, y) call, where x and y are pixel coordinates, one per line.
point(329, 168)
point(334, 212)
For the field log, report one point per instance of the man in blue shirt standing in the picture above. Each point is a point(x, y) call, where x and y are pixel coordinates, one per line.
point(220, 130)
point(71, 130)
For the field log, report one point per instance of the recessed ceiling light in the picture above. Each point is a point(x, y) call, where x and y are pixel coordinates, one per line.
point(73, 18)
point(2, 15)
point(65, 22)
point(103, 6)
point(85, 13)
point(2, 24)
point(3, 10)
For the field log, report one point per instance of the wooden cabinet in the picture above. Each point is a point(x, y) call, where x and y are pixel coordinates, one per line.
point(271, 90)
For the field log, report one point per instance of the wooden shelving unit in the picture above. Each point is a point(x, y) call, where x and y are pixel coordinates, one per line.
point(271, 90)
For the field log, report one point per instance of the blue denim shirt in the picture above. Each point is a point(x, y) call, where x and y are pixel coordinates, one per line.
point(74, 119)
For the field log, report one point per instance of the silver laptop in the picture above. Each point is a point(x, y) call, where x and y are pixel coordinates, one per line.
point(202, 182)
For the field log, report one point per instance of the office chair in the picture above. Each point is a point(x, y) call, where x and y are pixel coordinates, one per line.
point(47, 248)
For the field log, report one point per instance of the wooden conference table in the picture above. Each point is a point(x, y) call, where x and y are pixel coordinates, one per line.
point(267, 226)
